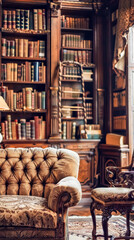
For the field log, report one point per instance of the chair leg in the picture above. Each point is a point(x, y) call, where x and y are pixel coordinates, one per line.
point(92, 208)
point(128, 232)
point(105, 226)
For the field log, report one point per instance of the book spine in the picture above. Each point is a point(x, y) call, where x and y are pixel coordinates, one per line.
point(36, 71)
point(9, 127)
point(9, 19)
point(36, 118)
point(40, 18)
point(41, 49)
point(43, 19)
point(12, 48)
point(3, 130)
point(28, 98)
point(43, 100)
point(4, 47)
point(23, 128)
point(35, 14)
point(30, 49)
point(32, 124)
point(22, 19)
point(20, 47)
point(26, 19)
point(18, 18)
point(13, 19)
point(5, 19)
point(8, 48)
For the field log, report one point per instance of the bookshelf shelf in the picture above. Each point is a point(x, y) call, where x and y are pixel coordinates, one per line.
point(28, 33)
point(76, 29)
point(77, 48)
point(23, 83)
point(24, 111)
point(24, 59)
point(73, 118)
point(71, 99)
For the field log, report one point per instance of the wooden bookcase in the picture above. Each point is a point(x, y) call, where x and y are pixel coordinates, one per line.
point(86, 148)
point(25, 70)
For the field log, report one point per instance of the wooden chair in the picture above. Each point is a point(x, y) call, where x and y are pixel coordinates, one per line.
point(118, 197)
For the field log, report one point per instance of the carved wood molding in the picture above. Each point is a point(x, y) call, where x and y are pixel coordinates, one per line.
point(54, 9)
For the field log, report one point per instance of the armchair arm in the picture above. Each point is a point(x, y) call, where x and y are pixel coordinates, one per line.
point(66, 193)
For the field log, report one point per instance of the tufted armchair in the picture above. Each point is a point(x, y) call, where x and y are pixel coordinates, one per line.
point(118, 197)
point(36, 188)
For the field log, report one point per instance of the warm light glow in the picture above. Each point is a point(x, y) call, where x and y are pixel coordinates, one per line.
point(3, 104)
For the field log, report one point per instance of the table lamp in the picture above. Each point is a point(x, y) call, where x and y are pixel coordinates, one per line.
point(3, 106)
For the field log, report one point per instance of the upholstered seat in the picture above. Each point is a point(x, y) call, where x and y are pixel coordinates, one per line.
point(36, 188)
point(26, 211)
point(111, 194)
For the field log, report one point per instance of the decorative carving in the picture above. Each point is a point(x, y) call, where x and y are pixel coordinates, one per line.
point(54, 9)
point(106, 214)
point(54, 113)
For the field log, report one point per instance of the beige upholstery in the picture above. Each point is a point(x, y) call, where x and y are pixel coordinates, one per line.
point(111, 194)
point(26, 211)
point(32, 181)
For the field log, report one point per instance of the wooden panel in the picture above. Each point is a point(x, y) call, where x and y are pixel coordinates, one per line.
point(85, 169)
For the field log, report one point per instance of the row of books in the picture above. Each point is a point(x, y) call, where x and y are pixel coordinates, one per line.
point(84, 57)
point(119, 122)
point(74, 22)
point(71, 70)
point(22, 129)
point(73, 40)
point(28, 72)
point(27, 99)
point(68, 130)
point(23, 48)
point(119, 99)
point(24, 19)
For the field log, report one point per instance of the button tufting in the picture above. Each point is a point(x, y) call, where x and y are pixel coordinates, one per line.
point(38, 168)
point(32, 158)
point(12, 169)
point(25, 169)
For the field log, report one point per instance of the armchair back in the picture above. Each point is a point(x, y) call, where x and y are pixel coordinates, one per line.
point(26, 171)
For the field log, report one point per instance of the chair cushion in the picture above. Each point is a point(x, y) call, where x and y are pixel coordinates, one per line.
point(28, 211)
point(111, 194)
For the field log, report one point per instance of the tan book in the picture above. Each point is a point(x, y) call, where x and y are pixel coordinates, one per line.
point(35, 19)
point(9, 71)
point(43, 135)
point(43, 73)
point(40, 19)
point(15, 72)
point(17, 47)
point(25, 47)
point(13, 125)
point(114, 139)
point(20, 47)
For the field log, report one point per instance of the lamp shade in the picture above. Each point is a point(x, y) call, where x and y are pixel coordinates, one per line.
point(3, 104)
